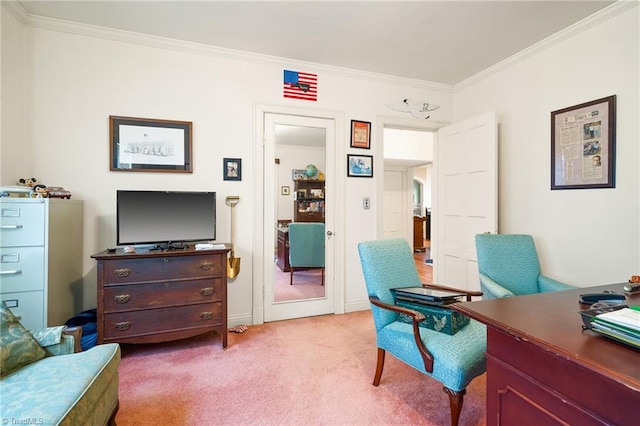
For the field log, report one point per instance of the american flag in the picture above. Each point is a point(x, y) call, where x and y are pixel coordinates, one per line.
point(300, 85)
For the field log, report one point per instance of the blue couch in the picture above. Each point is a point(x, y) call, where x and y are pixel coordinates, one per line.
point(63, 386)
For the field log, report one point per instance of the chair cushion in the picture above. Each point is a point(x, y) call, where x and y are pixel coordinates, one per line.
point(74, 389)
point(17, 347)
point(457, 358)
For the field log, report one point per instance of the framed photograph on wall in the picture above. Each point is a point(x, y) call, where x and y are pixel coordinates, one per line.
point(583, 145)
point(359, 165)
point(232, 168)
point(360, 134)
point(150, 145)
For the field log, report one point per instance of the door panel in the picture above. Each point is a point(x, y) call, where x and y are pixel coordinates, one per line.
point(466, 182)
point(393, 204)
point(323, 303)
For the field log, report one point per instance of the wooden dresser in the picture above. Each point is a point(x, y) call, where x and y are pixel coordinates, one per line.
point(157, 296)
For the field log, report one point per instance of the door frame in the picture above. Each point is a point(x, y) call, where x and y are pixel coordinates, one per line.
point(260, 257)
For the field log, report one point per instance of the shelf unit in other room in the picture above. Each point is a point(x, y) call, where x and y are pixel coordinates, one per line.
point(309, 200)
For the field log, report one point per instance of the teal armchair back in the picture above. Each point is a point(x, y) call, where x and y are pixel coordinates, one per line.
point(306, 246)
point(508, 265)
point(453, 360)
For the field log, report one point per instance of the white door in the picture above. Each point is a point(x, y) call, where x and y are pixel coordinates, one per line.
point(275, 311)
point(466, 180)
point(394, 206)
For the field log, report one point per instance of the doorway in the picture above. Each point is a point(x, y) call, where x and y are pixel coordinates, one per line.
point(296, 148)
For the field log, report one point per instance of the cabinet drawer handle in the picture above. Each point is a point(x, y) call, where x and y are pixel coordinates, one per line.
point(206, 315)
point(122, 326)
point(207, 291)
point(124, 272)
point(13, 272)
point(11, 226)
point(207, 266)
point(122, 298)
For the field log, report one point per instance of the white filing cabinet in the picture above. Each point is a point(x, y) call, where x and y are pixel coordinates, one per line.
point(41, 259)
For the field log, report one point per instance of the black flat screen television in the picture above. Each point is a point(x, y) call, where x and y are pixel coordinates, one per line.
point(165, 218)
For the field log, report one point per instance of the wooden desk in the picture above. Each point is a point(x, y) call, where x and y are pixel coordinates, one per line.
point(543, 369)
point(282, 258)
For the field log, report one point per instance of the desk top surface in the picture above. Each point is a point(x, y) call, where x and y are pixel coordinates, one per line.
point(552, 321)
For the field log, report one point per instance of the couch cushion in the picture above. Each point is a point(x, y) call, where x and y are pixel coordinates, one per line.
point(17, 346)
point(73, 389)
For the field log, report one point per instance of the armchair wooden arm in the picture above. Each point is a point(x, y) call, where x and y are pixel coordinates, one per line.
point(469, 293)
point(76, 332)
point(427, 358)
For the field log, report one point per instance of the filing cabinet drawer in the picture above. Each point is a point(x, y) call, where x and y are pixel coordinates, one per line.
point(21, 269)
point(25, 306)
point(161, 294)
point(22, 224)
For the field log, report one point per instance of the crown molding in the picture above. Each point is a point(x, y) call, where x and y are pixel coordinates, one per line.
point(95, 31)
point(571, 31)
point(16, 10)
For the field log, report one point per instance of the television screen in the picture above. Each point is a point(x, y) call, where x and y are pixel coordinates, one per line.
point(165, 217)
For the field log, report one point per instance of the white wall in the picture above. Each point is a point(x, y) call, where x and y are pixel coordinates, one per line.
point(75, 81)
point(584, 237)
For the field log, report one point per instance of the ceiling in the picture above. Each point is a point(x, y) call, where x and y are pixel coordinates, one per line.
point(437, 41)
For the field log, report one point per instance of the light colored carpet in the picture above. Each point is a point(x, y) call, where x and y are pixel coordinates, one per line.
point(306, 285)
point(308, 371)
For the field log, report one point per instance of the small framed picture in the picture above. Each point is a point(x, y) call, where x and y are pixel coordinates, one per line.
point(285, 190)
point(232, 168)
point(316, 193)
point(360, 134)
point(360, 166)
point(297, 174)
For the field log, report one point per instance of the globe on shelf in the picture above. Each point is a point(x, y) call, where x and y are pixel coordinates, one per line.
point(311, 170)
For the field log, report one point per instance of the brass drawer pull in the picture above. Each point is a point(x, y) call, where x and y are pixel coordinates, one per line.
point(124, 272)
point(122, 298)
point(122, 326)
point(206, 315)
point(207, 266)
point(207, 291)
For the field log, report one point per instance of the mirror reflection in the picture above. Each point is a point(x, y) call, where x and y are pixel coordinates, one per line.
point(299, 250)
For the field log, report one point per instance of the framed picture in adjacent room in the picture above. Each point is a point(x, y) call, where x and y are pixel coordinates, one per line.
point(232, 168)
point(359, 165)
point(583, 145)
point(360, 134)
point(150, 145)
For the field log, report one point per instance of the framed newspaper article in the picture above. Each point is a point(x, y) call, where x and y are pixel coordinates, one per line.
point(583, 139)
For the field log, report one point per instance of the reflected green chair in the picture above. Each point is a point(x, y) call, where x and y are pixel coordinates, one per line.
point(508, 265)
point(453, 360)
point(306, 247)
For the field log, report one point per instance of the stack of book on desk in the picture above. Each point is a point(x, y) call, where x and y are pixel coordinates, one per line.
point(622, 325)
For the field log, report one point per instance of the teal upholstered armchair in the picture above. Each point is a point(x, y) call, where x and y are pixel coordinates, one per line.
point(306, 246)
point(453, 360)
point(509, 266)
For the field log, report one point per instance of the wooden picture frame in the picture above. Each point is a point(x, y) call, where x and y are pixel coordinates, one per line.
point(583, 142)
point(150, 145)
point(360, 134)
point(285, 190)
point(232, 168)
point(360, 166)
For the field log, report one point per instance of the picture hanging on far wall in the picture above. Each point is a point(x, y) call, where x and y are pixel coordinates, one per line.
point(360, 134)
point(583, 141)
point(359, 165)
point(232, 169)
point(149, 145)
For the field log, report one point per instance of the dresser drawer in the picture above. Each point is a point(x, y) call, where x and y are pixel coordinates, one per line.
point(161, 294)
point(21, 224)
point(162, 268)
point(28, 306)
point(21, 269)
point(135, 323)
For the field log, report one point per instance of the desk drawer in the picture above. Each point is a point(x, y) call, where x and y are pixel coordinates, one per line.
point(21, 224)
point(162, 268)
point(136, 323)
point(21, 269)
point(161, 294)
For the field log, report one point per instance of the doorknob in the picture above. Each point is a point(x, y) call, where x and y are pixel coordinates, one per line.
point(329, 233)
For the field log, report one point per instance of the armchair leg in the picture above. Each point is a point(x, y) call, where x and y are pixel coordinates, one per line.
point(291, 276)
point(455, 403)
point(379, 367)
point(322, 276)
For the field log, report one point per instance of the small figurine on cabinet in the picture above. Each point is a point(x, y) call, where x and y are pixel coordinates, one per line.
point(40, 191)
point(30, 182)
